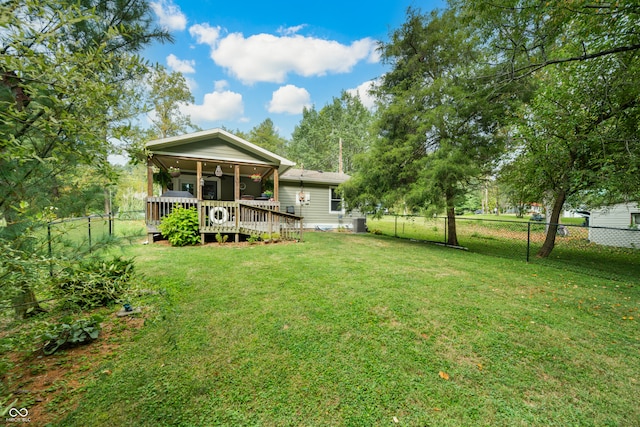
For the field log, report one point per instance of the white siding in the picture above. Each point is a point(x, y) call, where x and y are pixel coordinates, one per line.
point(616, 216)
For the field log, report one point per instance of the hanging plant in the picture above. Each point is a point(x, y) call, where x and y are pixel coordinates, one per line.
point(162, 177)
point(256, 177)
point(174, 172)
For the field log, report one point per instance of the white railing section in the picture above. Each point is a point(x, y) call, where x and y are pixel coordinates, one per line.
point(252, 217)
point(158, 207)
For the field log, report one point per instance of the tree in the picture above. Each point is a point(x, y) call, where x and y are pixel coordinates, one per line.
point(316, 140)
point(166, 93)
point(64, 69)
point(438, 126)
point(578, 137)
point(266, 136)
point(580, 134)
point(161, 98)
point(532, 35)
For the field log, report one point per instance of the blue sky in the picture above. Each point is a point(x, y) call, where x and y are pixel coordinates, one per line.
point(247, 61)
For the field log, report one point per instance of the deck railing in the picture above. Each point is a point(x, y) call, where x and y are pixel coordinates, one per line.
point(251, 217)
point(158, 207)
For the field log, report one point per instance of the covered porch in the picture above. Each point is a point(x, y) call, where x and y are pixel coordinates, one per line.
point(233, 184)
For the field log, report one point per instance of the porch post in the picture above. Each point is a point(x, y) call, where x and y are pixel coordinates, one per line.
point(199, 198)
point(236, 196)
point(198, 180)
point(276, 185)
point(149, 178)
point(236, 183)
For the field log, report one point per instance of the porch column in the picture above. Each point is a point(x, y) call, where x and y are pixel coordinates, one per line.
point(149, 178)
point(199, 180)
point(276, 185)
point(236, 196)
point(236, 183)
point(199, 197)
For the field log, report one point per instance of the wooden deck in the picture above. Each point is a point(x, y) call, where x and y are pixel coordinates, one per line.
point(241, 217)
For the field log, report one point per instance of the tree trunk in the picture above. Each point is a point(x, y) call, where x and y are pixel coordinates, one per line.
point(25, 304)
point(552, 229)
point(452, 235)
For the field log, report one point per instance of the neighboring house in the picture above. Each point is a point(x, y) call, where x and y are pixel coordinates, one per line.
point(617, 225)
point(225, 178)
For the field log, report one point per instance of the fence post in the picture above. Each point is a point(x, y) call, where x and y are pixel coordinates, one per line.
point(89, 231)
point(528, 239)
point(50, 249)
point(395, 230)
point(110, 224)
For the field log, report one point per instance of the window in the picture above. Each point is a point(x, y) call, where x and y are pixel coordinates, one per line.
point(186, 186)
point(336, 201)
point(635, 219)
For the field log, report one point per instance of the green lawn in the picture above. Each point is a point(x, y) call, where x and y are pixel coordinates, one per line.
point(508, 238)
point(359, 330)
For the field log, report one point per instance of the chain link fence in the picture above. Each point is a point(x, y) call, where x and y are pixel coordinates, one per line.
point(89, 233)
point(600, 251)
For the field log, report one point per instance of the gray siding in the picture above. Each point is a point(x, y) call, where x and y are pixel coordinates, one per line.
point(215, 149)
point(317, 212)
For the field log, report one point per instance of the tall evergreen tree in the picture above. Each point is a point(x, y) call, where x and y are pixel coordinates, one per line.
point(316, 140)
point(64, 73)
point(439, 125)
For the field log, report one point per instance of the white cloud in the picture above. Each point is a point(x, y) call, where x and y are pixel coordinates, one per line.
point(269, 58)
point(169, 15)
point(205, 34)
point(184, 66)
point(221, 85)
point(289, 99)
point(217, 105)
point(288, 31)
point(362, 92)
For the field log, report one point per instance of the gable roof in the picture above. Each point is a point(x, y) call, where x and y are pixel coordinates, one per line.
point(217, 145)
point(311, 176)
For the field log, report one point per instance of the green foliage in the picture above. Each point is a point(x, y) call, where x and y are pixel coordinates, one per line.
point(181, 226)
point(315, 141)
point(94, 283)
point(273, 237)
point(66, 74)
point(266, 136)
point(221, 239)
point(70, 333)
point(438, 125)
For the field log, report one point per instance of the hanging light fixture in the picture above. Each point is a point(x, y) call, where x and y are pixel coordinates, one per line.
point(218, 171)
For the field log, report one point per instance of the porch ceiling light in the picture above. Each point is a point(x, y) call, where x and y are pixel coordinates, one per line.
point(218, 171)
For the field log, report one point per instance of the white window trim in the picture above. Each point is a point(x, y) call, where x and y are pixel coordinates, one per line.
point(340, 212)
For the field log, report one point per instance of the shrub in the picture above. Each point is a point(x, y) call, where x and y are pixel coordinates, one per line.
point(69, 334)
point(181, 226)
point(222, 239)
point(94, 283)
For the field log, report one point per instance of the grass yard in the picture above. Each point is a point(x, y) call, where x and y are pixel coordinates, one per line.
point(364, 330)
point(508, 239)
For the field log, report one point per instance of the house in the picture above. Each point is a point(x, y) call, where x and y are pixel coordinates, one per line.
point(238, 187)
point(616, 225)
point(314, 196)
